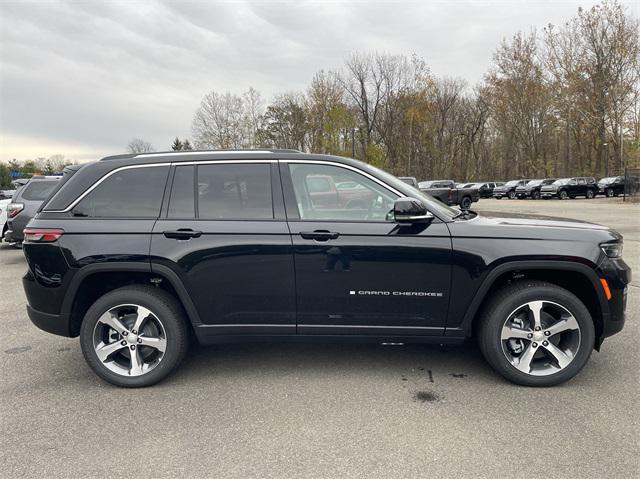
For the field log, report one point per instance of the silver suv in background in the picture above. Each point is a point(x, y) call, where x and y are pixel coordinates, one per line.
point(25, 204)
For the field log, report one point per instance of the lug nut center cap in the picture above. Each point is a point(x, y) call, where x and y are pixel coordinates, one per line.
point(132, 338)
point(538, 336)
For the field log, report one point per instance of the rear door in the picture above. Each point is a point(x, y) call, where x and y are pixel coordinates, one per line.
point(358, 272)
point(223, 233)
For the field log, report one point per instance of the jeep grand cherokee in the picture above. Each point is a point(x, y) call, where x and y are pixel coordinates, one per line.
point(134, 252)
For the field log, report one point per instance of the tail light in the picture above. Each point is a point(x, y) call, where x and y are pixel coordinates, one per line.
point(38, 235)
point(14, 208)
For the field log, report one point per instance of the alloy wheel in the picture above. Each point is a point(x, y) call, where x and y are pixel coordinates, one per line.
point(540, 338)
point(129, 340)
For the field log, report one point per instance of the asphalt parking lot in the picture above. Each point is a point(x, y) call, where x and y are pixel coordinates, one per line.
point(288, 410)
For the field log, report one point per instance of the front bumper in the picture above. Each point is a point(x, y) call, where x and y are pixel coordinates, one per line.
point(548, 194)
point(618, 276)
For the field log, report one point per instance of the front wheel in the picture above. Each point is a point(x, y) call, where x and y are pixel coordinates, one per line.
point(535, 195)
point(465, 204)
point(512, 195)
point(564, 195)
point(134, 336)
point(609, 192)
point(536, 334)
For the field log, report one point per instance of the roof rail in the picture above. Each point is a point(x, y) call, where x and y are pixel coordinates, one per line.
point(199, 152)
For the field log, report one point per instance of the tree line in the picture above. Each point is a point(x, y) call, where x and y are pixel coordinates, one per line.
point(559, 102)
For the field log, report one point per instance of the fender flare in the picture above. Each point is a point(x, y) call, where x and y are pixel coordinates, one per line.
point(513, 266)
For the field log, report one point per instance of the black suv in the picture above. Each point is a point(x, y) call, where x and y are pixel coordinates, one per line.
point(532, 189)
point(135, 252)
point(508, 189)
point(611, 186)
point(570, 188)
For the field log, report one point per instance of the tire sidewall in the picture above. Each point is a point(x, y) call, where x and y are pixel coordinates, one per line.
point(491, 343)
point(174, 328)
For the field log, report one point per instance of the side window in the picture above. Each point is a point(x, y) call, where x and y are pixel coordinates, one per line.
point(235, 191)
point(345, 194)
point(132, 193)
point(572, 181)
point(182, 199)
point(582, 181)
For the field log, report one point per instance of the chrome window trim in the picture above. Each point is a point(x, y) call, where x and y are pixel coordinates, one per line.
point(74, 203)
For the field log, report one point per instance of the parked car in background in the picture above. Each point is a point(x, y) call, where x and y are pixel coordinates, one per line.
point(611, 186)
point(532, 189)
point(410, 180)
point(6, 194)
point(485, 190)
point(25, 203)
point(3, 217)
point(445, 191)
point(508, 189)
point(570, 188)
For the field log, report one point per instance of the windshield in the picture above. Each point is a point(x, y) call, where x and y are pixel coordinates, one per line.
point(469, 185)
point(534, 183)
point(433, 205)
point(563, 181)
point(512, 183)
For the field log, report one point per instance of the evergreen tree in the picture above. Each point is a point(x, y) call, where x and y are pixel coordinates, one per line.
point(186, 145)
point(177, 145)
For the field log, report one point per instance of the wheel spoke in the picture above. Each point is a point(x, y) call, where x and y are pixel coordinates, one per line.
point(142, 314)
point(565, 324)
point(509, 332)
point(157, 343)
point(524, 361)
point(105, 350)
point(562, 358)
point(536, 309)
point(110, 319)
point(136, 362)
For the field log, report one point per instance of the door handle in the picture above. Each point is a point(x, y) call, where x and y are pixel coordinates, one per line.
point(182, 233)
point(319, 235)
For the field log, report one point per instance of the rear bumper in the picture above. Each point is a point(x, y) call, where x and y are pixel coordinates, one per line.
point(51, 323)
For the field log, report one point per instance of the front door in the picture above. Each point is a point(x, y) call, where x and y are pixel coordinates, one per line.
point(357, 271)
point(223, 232)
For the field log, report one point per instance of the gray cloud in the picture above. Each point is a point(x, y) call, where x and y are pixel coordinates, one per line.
point(81, 78)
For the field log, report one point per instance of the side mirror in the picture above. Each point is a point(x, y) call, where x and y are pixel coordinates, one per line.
point(410, 210)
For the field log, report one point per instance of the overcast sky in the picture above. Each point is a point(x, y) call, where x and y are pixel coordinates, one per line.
point(82, 78)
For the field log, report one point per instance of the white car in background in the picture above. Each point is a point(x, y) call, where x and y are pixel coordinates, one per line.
point(3, 217)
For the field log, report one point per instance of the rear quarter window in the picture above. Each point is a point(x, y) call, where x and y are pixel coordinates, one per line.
point(38, 190)
point(131, 193)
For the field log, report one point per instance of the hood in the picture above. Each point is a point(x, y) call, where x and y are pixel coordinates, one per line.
point(510, 225)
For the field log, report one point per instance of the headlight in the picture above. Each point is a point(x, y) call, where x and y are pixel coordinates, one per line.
point(612, 250)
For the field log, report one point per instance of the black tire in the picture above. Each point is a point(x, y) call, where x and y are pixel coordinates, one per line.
point(511, 195)
point(167, 310)
point(465, 203)
point(590, 194)
point(535, 195)
point(563, 195)
point(508, 299)
point(609, 192)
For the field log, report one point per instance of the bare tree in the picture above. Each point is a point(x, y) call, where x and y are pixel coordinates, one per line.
point(137, 145)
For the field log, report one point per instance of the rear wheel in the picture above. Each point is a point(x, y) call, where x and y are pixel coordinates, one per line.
point(536, 334)
point(590, 194)
point(134, 336)
point(535, 195)
point(465, 203)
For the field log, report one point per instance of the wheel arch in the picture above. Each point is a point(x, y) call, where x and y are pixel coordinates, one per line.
point(577, 278)
point(93, 281)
